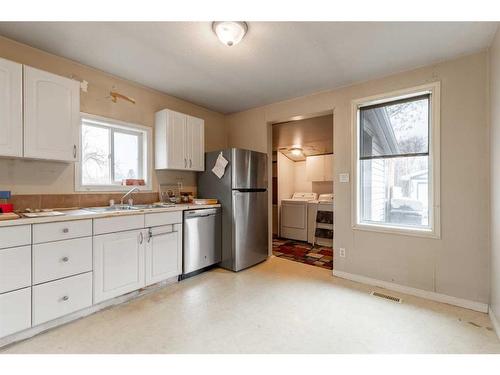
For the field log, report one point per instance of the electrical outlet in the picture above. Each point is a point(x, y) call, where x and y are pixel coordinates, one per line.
point(342, 252)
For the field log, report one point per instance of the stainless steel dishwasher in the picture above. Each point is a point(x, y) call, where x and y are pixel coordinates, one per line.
point(202, 240)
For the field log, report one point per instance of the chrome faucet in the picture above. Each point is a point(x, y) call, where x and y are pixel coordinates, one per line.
point(133, 190)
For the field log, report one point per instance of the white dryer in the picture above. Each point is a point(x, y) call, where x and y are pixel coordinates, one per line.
point(294, 216)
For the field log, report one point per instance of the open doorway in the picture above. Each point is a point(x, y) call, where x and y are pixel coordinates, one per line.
point(302, 185)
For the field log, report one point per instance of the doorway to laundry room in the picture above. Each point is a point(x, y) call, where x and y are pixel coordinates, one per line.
point(303, 197)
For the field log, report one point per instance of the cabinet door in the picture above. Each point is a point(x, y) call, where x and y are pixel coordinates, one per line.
point(328, 167)
point(11, 110)
point(118, 264)
point(315, 167)
point(195, 143)
point(15, 311)
point(51, 116)
point(163, 253)
point(176, 140)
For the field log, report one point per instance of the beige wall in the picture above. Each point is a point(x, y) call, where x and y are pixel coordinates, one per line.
point(495, 174)
point(456, 264)
point(26, 177)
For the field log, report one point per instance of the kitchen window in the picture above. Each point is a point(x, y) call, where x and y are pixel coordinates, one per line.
point(397, 162)
point(112, 151)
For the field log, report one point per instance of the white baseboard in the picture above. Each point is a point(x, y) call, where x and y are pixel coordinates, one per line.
point(494, 322)
point(468, 304)
point(33, 331)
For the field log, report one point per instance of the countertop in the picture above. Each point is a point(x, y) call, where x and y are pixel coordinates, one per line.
point(80, 214)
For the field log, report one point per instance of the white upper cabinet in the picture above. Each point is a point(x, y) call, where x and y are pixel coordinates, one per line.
point(195, 143)
point(11, 110)
point(179, 141)
point(328, 167)
point(51, 116)
point(319, 168)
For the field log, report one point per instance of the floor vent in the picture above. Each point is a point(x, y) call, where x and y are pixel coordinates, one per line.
point(386, 296)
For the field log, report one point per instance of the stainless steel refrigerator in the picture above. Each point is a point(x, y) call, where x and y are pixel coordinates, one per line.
point(242, 192)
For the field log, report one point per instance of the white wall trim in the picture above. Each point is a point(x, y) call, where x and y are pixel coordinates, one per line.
point(494, 321)
point(438, 297)
point(33, 331)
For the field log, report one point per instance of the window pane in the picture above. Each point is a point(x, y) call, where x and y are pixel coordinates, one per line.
point(395, 128)
point(95, 155)
point(127, 156)
point(395, 191)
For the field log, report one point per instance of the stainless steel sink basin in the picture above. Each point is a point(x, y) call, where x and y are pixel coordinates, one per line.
point(120, 208)
point(115, 208)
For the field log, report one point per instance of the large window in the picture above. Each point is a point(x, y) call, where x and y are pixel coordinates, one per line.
point(111, 151)
point(395, 163)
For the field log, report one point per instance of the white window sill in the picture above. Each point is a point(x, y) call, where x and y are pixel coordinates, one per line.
point(111, 188)
point(385, 229)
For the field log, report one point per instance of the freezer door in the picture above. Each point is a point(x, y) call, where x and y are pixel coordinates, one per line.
point(250, 238)
point(249, 169)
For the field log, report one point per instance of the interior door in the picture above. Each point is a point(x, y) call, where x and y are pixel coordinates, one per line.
point(51, 116)
point(118, 264)
point(195, 141)
point(11, 108)
point(176, 138)
point(250, 219)
point(163, 253)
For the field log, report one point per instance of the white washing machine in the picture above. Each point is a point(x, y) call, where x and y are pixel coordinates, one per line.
point(294, 216)
point(323, 203)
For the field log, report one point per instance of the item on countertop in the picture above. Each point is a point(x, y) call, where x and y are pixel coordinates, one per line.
point(4, 206)
point(9, 216)
point(43, 213)
point(133, 182)
point(186, 197)
point(205, 201)
point(170, 193)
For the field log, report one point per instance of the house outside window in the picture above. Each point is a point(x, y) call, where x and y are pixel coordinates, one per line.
point(397, 162)
point(112, 151)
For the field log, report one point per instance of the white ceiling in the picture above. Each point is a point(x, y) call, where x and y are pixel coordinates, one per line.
point(275, 61)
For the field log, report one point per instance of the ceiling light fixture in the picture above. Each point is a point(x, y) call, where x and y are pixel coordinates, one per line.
point(296, 151)
point(230, 32)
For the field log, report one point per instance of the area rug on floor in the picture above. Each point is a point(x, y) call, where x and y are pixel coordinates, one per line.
point(320, 256)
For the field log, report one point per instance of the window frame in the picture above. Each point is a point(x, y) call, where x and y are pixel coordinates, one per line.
point(434, 230)
point(123, 127)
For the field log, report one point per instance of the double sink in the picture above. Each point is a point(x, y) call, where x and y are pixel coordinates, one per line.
point(126, 207)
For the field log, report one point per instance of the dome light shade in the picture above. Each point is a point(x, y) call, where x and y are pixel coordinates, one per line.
point(230, 32)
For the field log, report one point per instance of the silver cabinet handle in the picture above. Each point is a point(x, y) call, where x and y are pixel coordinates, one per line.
point(190, 163)
point(150, 234)
point(65, 230)
point(185, 163)
point(74, 151)
point(65, 259)
point(65, 298)
point(141, 238)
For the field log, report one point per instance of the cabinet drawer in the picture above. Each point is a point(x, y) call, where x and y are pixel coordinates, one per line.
point(61, 231)
point(15, 268)
point(162, 218)
point(15, 311)
point(58, 298)
point(55, 260)
point(15, 236)
point(118, 224)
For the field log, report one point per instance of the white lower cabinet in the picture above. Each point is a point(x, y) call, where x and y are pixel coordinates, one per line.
point(15, 311)
point(55, 260)
point(61, 297)
point(163, 253)
point(15, 268)
point(118, 264)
